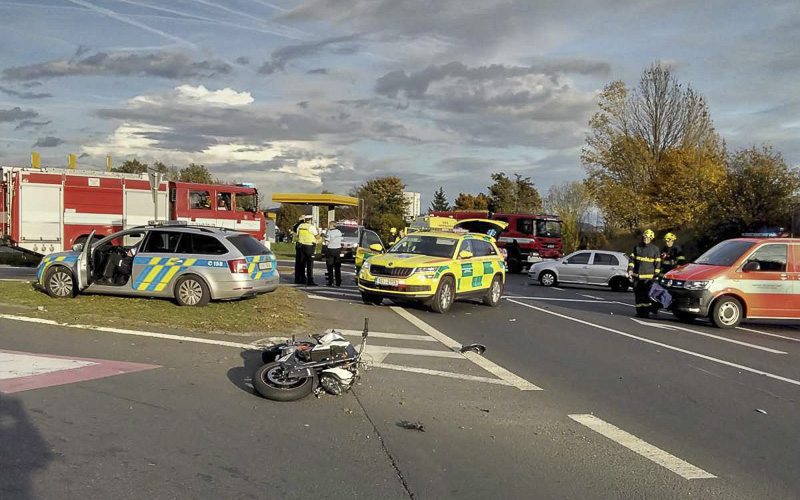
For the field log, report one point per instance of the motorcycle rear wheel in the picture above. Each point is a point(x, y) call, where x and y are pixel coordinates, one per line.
point(270, 383)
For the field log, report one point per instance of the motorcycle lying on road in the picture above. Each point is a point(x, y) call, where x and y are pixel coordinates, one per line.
point(295, 369)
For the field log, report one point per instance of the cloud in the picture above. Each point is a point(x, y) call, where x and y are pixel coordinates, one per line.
point(243, 60)
point(84, 155)
point(166, 64)
point(31, 124)
point(284, 55)
point(16, 114)
point(24, 95)
point(48, 142)
point(318, 71)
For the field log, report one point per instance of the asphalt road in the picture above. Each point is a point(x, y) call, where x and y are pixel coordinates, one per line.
point(625, 410)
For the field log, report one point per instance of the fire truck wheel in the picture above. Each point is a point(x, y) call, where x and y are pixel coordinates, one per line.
point(191, 291)
point(59, 283)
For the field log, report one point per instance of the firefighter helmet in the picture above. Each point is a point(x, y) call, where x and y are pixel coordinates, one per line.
point(648, 233)
point(670, 237)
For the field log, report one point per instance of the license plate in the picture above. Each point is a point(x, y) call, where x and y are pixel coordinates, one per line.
point(549, 246)
point(264, 266)
point(534, 258)
point(386, 281)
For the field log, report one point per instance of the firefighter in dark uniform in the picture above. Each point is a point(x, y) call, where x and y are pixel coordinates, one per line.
point(671, 254)
point(644, 267)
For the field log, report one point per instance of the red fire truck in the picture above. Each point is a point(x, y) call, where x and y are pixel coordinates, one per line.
point(527, 239)
point(49, 210)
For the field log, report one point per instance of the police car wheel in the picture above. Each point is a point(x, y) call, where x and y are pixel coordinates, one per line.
point(59, 283)
point(445, 295)
point(548, 278)
point(191, 291)
point(492, 297)
point(727, 313)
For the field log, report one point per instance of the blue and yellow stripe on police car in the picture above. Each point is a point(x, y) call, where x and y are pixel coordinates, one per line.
point(254, 266)
point(48, 261)
point(159, 271)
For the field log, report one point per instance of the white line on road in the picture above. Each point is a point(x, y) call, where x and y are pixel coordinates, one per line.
point(556, 299)
point(380, 349)
point(138, 333)
point(590, 296)
point(643, 448)
point(768, 334)
point(440, 373)
point(497, 370)
point(667, 326)
point(338, 292)
point(398, 336)
point(661, 344)
point(331, 299)
point(559, 289)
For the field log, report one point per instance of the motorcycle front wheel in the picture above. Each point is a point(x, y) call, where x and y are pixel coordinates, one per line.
point(270, 382)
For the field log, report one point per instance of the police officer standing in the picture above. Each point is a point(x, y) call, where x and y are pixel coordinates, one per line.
point(306, 238)
point(671, 255)
point(333, 254)
point(644, 267)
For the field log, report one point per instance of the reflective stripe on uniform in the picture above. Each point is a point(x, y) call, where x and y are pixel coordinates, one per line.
point(643, 276)
point(304, 236)
point(648, 259)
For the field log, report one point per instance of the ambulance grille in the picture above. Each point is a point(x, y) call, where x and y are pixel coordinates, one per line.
point(391, 271)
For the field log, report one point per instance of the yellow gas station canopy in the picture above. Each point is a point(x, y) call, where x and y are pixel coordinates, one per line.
point(315, 199)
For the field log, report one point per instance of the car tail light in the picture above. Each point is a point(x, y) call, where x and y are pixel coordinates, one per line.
point(238, 265)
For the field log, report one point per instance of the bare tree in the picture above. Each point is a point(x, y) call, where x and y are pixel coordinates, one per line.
point(572, 202)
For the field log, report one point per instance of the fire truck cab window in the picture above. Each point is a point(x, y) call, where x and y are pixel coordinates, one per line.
point(199, 200)
point(525, 226)
point(246, 203)
point(223, 201)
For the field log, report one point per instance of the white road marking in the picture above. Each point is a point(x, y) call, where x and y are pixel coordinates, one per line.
point(590, 296)
point(137, 333)
point(768, 334)
point(661, 344)
point(643, 448)
point(379, 349)
point(398, 336)
point(440, 373)
point(14, 365)
point(497, 370)
point(666, 326)
point(331, 299)
point(338, 292)
point(556, 299)
point(559, 289)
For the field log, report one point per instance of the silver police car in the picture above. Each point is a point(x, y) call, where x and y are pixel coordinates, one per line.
point(192, 264)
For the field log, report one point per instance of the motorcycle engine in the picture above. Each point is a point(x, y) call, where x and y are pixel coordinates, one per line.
point(336, 380)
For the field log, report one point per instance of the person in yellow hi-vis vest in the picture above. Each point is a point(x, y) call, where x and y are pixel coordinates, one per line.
point(306, 244)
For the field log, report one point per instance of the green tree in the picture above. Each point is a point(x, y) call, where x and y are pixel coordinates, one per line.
point(286, 217)
point(630, 137)
point(466, 202)
point(759, 190)
point(439, 203)
point(131, 167)
point(196, 173)
point(384, 204)
point(513, 196)
point(571, 201)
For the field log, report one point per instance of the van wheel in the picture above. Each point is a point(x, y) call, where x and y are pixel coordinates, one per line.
point(727, 313)
point(548, 278)
point(191, 291)
point(492, 297)
point(445, 295)
point(59, 283)
point(620, 284)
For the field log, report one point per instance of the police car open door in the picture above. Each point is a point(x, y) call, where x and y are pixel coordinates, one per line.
point(369, 244)
point(84, 261)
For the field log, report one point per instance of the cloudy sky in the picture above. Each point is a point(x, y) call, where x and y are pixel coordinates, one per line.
point(324, 94)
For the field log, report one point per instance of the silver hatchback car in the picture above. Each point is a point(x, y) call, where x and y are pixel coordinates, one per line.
point(191, 264)
point(585, 267)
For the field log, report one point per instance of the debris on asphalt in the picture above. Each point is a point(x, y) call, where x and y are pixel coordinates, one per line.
point(412, 426)
point(347, 410)
point(484, 410)
point(476, 348)
point(759, 410)
point(512, 319)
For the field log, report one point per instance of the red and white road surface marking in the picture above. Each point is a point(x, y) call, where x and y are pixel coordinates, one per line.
point(23, 371)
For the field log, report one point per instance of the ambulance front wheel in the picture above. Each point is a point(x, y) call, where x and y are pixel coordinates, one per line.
point(192, 291)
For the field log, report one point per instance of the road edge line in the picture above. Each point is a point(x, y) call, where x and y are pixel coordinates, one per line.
point(493, 368)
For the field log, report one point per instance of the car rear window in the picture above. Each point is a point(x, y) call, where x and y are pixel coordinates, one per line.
point(248, 245)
